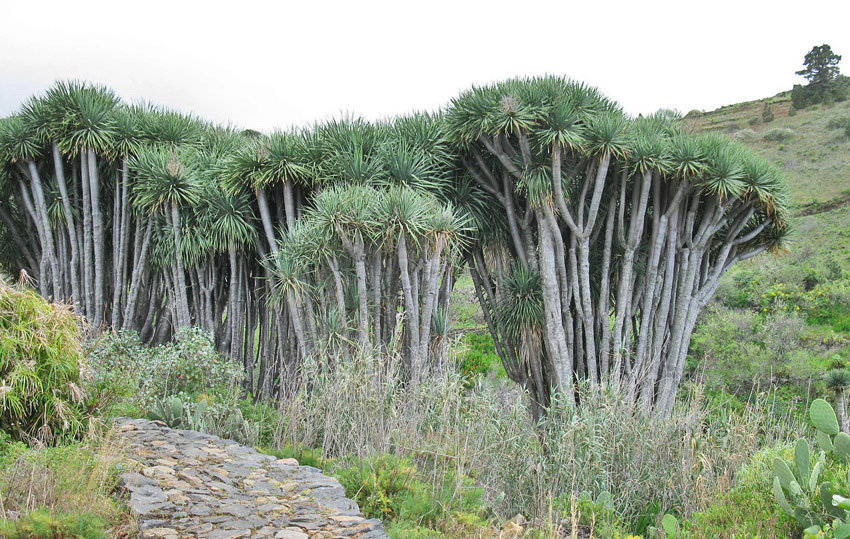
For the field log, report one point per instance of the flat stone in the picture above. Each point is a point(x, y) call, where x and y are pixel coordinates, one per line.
point(235, 510)
point(236, 525)
point(159, 532)
point(290, 534)
point(199, 510)
point(228, 534)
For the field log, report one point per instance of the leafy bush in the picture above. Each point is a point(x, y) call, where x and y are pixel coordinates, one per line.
point(744, 134)
point(840, 123)
point(10, 449)
point(778, 133)
point(766, 114)
point(747, 511)
point(805, 96)
point(186, 367)
point(478, 356)
point(41, 365)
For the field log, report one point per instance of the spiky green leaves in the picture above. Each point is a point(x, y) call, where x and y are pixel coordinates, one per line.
point(90, 122)
point(553, 107)
point(521, 308)
point(18, 141)
point(838, 379)
point(606, 134)
point(286, 160)
point(228, 217)
point(164, 176)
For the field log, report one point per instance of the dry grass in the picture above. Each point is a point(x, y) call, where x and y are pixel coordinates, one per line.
point(681, 463)
point(76, 479)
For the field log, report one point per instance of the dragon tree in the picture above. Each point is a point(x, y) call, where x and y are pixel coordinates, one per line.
point(612, 233)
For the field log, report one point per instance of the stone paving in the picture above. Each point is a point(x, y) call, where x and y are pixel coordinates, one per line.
point(191, 484)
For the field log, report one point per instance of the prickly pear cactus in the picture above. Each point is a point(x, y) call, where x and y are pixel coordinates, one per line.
point(841, 445)
point(816, 507)
point(823, 417)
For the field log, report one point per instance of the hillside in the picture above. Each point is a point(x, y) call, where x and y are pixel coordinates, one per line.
point(788, 313)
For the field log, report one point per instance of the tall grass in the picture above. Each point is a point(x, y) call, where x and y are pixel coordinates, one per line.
point(65, 488)
point(647, 465)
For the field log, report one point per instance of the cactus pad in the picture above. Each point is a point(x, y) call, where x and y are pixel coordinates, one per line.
point(842, 445)
point(824, 441)
point(802, 458)
point(823, 417)
point(783, 472)
point(670, 525)
point(780, 497)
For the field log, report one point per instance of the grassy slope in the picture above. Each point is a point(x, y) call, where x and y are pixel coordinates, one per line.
point(816, 160)
point(816, 164)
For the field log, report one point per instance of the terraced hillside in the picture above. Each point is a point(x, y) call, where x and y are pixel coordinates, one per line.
point(785, 318)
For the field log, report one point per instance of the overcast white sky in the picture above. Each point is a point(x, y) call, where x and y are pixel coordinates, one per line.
point(263, 65)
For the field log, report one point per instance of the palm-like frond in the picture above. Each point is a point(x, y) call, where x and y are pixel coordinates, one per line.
point(164, 176)
point(521, 309)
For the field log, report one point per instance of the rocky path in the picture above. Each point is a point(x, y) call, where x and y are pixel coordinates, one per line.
point(190, 484)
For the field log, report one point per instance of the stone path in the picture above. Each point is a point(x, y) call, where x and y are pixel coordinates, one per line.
point(191, 484)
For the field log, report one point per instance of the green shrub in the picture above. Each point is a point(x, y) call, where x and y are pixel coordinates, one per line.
point(392, 489)
point(478, 356)
point(742, 512)
point(189, 366)
point(43, 524)
point(379, 485)
point(41, 364)
point(766, 113)
point(744, 134)
point(805, 96)
point(778, 133)
point(588, 513)
point(10, 449)
point(840, 123)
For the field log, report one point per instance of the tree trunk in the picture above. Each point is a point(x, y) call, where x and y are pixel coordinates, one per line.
point(184, 319)
point(72, 228)
point(98, 241)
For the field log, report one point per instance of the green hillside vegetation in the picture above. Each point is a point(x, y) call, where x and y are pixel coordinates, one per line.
point(786, 319)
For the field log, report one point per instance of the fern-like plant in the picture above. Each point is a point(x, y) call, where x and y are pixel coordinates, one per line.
point(41, 362)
